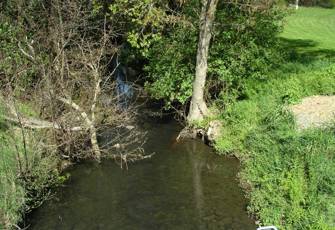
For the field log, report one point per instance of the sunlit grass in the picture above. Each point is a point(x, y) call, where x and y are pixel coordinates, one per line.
point(288, 175)
point(313, 25)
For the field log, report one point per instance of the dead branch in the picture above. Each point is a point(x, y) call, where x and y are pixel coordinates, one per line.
point(33, 123)
point(75, 93)
point(89, 124)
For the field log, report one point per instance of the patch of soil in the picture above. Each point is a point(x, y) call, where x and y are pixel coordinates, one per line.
point(314, 112)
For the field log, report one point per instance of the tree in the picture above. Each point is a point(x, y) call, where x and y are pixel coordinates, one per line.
point(72, 89)
point(198, 107)
point(244, 45)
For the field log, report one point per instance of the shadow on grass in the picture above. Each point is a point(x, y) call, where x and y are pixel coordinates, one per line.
point(3, 126)
point(306, 51)
point(305, 54)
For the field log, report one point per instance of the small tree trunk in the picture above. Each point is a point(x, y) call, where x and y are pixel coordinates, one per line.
point(198, 107)
point(94, 142)
point(296, 4)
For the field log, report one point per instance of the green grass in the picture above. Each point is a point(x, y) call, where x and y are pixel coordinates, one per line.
point(12, 195)
point(22, 190)
point(314, 26)
point(288, 176)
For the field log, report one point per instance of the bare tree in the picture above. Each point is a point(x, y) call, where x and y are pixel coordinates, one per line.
point(74, 82)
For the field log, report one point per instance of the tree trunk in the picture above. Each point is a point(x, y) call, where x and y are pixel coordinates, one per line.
point(198, 107)
point(296, 4)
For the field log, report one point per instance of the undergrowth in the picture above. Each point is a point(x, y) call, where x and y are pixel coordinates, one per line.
point(27, 171)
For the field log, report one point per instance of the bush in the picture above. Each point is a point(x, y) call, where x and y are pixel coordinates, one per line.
point(322, 3)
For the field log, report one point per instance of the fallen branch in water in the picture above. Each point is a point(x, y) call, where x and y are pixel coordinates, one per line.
point(124, 158)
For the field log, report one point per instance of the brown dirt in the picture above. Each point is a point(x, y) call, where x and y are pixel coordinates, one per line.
point(314, 112)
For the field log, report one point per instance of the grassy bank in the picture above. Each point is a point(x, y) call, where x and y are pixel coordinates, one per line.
point(12, 195)
point(27, 171)
point(289, 176)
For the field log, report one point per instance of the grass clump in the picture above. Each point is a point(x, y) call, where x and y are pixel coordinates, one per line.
point(288, 175)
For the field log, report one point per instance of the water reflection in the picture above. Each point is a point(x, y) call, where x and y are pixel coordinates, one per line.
point(197, 165)
point(185, 186)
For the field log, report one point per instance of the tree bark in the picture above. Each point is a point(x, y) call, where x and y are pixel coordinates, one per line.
point(198, 107)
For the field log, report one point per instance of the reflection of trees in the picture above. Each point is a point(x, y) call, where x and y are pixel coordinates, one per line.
point(197, 163)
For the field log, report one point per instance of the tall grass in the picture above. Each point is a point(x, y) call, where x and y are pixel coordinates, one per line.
point(12, 195)
point(26, 172)
point(288, 175)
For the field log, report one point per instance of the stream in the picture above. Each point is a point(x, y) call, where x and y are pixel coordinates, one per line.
point(184, 186)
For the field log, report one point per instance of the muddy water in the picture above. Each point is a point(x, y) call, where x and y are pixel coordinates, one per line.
point(184, 186)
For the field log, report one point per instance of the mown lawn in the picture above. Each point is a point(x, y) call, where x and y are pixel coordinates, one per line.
point(288, 176)
point(313, 26)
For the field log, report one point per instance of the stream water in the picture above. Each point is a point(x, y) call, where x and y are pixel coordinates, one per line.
point(184, 186)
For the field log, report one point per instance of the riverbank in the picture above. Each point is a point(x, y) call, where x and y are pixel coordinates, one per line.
point(288, 175)
point(28, 169)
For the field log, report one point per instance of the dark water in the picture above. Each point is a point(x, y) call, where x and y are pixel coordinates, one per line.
point(184, 186)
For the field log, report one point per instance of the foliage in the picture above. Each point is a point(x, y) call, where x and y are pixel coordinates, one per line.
point(55, 77)
point(140, 23)
point(12, 62)
point(18, 190)
point(172, 64)
point(170, 73)
point(245, 46)
point(147, 20)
